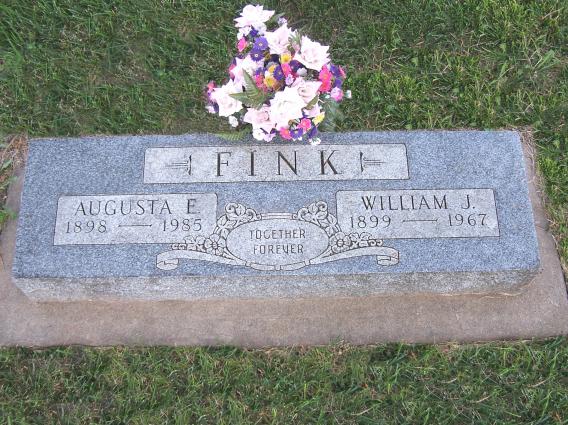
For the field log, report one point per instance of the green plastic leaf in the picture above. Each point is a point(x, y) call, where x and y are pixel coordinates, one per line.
point(233, 136)
point(249, 83)
point(274, 19)
point(333, 115)
point(252, 96)
point(241, 97)
point(312, 102)
point(296, 38)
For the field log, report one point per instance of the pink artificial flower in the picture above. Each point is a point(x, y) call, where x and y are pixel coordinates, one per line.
point(231, 70)
point(210, 86)
point(325, 74)
point(305, 124)
point(259, 81)
point(336, 94)
point(325, 78)
point(286, 69)
point(242, 44)
point(285, 133)
point(342, 72)
point(325, 86)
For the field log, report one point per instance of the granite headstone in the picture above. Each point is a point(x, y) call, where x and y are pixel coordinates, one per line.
point(194, 216)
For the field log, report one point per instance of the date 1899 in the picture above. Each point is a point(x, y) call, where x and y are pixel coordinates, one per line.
point(371, 222)
point(384, 221)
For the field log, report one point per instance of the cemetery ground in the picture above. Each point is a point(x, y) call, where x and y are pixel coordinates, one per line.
point(86, 67)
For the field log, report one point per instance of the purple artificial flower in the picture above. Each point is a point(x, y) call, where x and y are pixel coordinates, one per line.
point(259, 71)
point(334, 69)
point(278, 73)
point(297, 133)
point(338, 82)
point(260, 43)
point(295, 65)
point(257, 55)
point(253, 33)
point(313, 132)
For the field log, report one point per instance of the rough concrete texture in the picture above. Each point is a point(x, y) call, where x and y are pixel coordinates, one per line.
point(540, 311)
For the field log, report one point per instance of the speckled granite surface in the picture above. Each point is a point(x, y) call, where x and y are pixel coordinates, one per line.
point(115, 165)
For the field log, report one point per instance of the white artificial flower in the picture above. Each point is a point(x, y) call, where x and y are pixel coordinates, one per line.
point(261, 29)
point(314, 112)
point(258, 134)
point(227, 104)
point(315, 141)
point(348, 94)
point(307, 89)
point(210, 109)
point(289, 80)
point(259, 118)
point(269, 136)
point(279, 40)
point(285, 106)
point(233, 121)
point(312, 54)
point(282, 20)
point(247, 65)
point(302, 72)
point(243, 32)
point(254, 16)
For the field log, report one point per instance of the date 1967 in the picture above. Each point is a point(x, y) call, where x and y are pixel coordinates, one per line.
point(384, 221)
point(419, 214)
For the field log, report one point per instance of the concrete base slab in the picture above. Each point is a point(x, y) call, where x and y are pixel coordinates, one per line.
point(540, 311)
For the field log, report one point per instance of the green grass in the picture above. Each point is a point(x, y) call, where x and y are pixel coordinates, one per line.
point(87, 67)
point(497, 384)
point(84, 67)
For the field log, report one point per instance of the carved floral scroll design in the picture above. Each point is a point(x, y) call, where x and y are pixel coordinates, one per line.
point(340, 245)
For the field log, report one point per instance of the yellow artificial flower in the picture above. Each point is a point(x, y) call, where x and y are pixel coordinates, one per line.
point(272, 68)
point(285, 58)
point(270, 81)
point(319, 118)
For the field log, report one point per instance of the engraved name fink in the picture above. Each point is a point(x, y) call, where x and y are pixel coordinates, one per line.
point(215, 164)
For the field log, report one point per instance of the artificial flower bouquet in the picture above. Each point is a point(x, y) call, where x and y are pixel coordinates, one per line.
point(281, 82)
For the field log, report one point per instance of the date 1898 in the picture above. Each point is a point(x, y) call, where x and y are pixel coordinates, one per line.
point(86, 226)
point(169, 225)
point(133, 219)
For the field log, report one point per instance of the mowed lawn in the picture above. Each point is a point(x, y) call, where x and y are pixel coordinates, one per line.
point(116, 67)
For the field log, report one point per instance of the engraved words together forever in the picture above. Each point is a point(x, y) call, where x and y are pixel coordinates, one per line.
point(262, 241)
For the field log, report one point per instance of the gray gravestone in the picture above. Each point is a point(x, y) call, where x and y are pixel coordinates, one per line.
point(193, 216)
